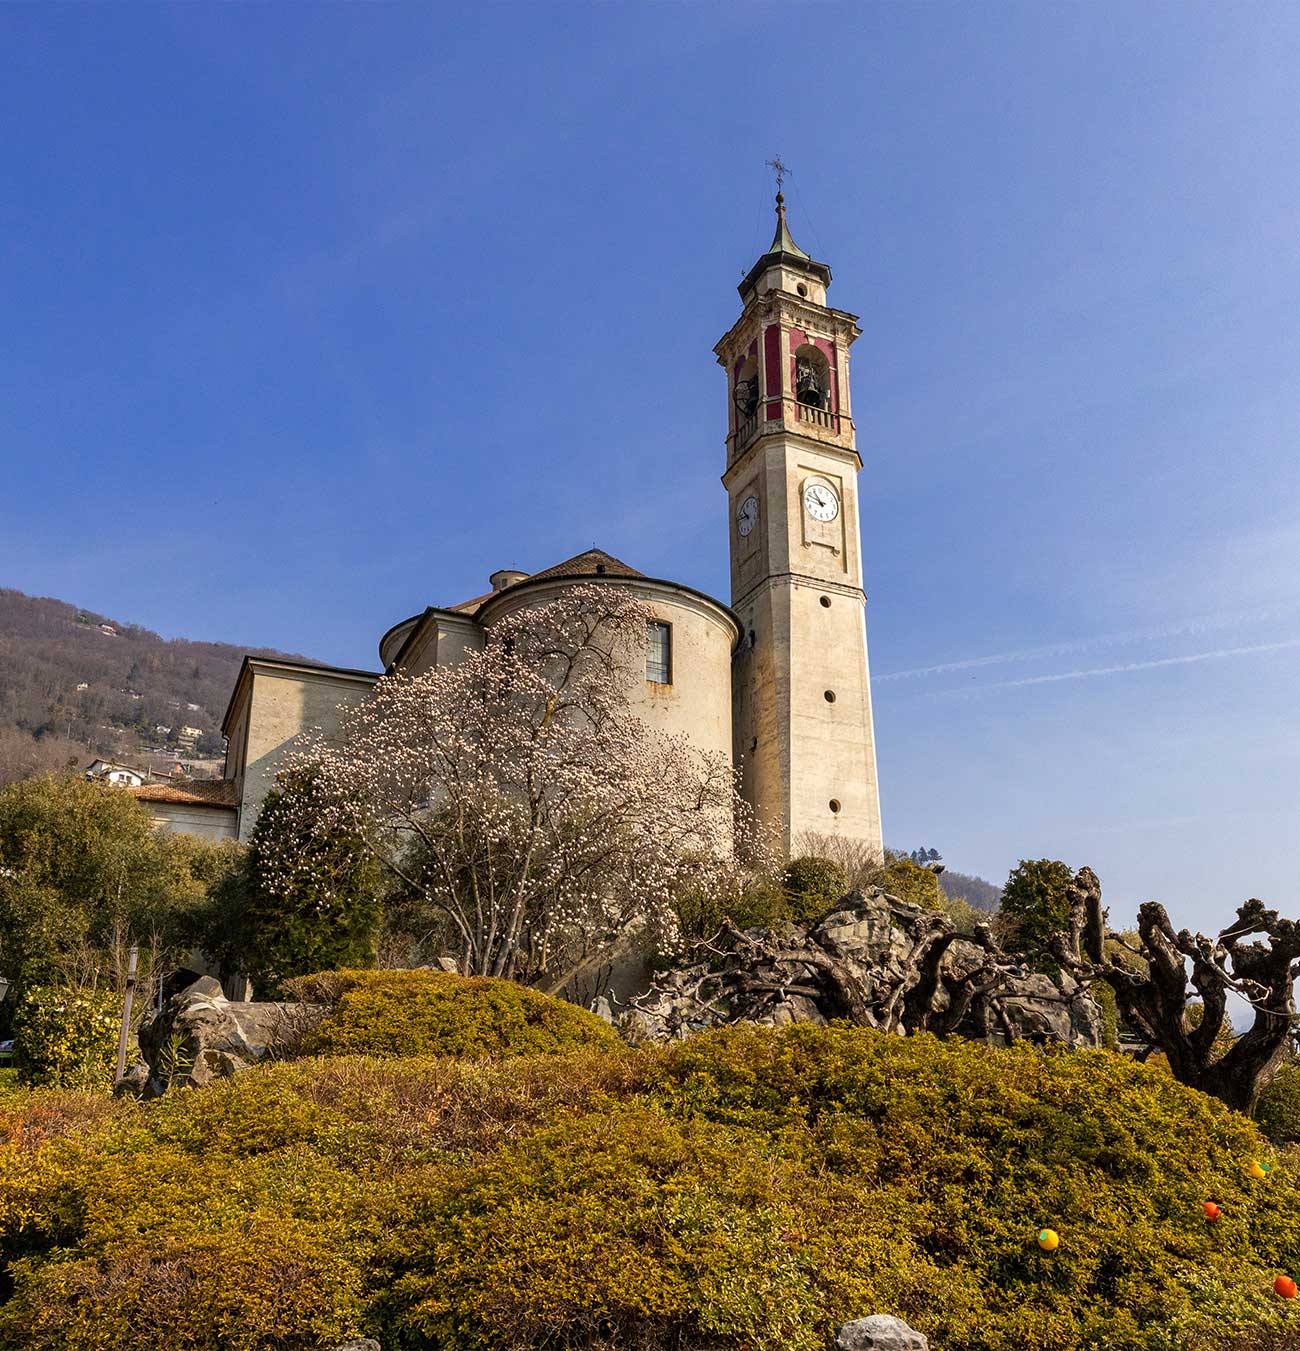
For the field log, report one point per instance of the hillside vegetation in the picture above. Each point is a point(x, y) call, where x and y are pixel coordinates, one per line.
point(977, 892)
point(135, 683)
point(750, 1189)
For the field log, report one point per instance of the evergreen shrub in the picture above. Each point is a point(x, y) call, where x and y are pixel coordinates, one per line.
point(750, 1189)
point(813, 887)
point(436, 1013)
point(66, 1036)
point(1278, 1112)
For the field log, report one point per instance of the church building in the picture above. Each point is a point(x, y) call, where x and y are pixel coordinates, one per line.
point(777, 679)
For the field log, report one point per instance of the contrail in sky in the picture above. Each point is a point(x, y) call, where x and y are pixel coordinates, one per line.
point(1064, 649)
point(1096, 671)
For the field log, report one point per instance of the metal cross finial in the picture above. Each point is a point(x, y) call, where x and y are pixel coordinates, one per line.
point(779, 170)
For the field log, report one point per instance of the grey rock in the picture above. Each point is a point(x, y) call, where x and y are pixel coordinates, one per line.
point(133, 1083)
point(200, 1035)
point(880, 1332)
point(361, 1344)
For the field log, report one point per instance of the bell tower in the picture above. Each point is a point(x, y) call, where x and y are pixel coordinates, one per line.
point(801, 694)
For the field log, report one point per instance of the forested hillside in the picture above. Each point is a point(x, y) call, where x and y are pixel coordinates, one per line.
point(977, 892)
point(74, 684)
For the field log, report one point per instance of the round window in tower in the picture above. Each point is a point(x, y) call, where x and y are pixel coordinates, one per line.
point(802, 289)
point(826, 602)
point(835, 804)
point(830, 696)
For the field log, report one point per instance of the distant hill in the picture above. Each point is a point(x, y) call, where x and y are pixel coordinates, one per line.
point(977, 891)
point(75, 684)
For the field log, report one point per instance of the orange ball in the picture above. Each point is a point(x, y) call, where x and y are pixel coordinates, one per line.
point(1212, 1211)
point(1285, 1287)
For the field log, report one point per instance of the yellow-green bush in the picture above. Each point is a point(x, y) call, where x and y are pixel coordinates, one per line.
point(1278, 1112)
point(431, 1013)
point(66, 1036)
point(747, 1190)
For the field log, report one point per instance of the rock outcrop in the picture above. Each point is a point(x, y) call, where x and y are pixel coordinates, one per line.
point(200, 1035)
point(880, 1332)
point(876, 961)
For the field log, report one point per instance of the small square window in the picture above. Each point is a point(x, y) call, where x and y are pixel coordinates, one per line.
point(659, 653)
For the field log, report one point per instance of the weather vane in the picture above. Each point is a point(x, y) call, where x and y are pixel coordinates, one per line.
point(779, 170)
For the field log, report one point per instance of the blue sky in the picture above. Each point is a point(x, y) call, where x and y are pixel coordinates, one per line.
point(315, 314)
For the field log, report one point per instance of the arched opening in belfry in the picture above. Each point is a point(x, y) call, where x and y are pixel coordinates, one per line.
point(745, 391)
point(812, 377)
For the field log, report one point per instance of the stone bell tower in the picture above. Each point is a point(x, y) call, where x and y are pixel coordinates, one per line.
point(801, 698)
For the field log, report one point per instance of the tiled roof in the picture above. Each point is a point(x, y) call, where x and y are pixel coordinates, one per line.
point(193, 793)
point(592, 563)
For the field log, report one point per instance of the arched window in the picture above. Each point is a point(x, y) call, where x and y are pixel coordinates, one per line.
point(745, 392)
point(812, 377)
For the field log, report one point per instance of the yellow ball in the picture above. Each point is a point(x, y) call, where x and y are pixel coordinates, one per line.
point(1049, 1240)
point(1256, 1170)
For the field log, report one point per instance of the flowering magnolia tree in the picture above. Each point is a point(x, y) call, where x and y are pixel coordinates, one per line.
point(541, 827)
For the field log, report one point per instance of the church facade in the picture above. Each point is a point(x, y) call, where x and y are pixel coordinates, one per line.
point(778, 679)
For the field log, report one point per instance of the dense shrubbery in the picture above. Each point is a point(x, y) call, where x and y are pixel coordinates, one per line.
point(433, 1013)
point(746, 1189)
point(812, 887)
point(1278, 1112)
point(67, 1036)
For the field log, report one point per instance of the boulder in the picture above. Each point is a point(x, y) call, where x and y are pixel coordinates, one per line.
point(200, 1035)
point(880, 1332)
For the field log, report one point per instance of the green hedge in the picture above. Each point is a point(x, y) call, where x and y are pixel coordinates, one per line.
point(747, 1190)
point(433, 1013)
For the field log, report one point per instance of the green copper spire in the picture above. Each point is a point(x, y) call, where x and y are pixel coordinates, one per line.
point(781, 241)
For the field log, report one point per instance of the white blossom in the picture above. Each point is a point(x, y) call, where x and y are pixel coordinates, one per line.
point(519, 798)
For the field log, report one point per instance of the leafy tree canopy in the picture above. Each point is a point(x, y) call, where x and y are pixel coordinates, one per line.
point(1035, 905)
point(83, 874)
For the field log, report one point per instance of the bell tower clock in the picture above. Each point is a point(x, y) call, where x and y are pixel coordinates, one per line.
point(802, 697)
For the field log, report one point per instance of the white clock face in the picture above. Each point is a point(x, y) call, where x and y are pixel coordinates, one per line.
point(820, 502)
point(747, 516)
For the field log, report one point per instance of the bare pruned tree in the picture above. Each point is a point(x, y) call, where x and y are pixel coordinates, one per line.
point(1178, 970)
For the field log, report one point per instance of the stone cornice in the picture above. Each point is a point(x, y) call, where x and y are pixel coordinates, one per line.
point(790, 311)
point(835, 450)
point(821, 584)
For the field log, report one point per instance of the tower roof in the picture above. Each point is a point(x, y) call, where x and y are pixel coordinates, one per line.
point(784, 252)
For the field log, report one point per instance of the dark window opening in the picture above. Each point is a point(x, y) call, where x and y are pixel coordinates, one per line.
point(659, 652)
